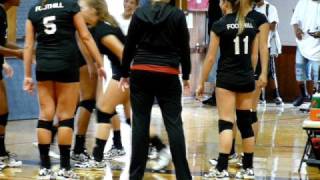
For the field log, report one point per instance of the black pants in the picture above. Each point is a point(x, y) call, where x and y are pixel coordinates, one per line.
point(144, 87)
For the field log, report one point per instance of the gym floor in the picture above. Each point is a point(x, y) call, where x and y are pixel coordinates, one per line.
point(278, 152)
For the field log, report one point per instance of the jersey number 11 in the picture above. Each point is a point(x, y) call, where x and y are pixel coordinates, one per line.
point(50, 27)
point(237, 45)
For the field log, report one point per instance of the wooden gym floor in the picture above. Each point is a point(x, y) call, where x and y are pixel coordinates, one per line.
point(278, 152)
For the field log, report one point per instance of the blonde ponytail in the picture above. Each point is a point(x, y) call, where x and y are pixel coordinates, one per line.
point(43, 2)
point(241, 16)
point(242, 7)
point(102, 11)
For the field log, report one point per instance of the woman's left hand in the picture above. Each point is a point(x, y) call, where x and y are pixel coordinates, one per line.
point(8, 70)
point(124, 84)
point(186, 86)
point(262, 81)
point(101, 72)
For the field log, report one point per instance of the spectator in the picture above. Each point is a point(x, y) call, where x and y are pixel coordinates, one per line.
point(274, 44)
point(306, 18)
point(214, 14)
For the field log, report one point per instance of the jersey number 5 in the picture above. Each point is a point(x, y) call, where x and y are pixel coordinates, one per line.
point(50, 27)
point(237, 45)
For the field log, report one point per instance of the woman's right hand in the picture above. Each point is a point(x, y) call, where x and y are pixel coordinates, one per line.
point(28, 85)
point(199, 92)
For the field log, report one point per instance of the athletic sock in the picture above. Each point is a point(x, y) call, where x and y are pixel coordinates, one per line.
point(44, 155)
point(65, 156)
point(233, 147)
point(117, 139)
point(98, 149)
point(3, 151)
point(222, 162)
point(79, 145)
point(247, 160)
point(156, 142)
point(276, 93)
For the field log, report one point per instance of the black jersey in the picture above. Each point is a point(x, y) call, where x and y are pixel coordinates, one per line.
point(101, 30)
point(258, 18)
point(235, 65)
point(3, 31)
point(55, 32)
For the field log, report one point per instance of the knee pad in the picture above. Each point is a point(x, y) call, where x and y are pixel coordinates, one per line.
point(4, 119)
point(224, 125)
point(254, 117)
point(89, 105)
point(45, 125)
point(69, 123)
point(244, 123)
point(104, 118)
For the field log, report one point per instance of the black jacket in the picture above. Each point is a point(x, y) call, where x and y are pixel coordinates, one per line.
point(158, 35)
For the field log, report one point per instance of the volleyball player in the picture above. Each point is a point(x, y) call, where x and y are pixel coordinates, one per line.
point(88, 85)
point(235, 81)
point(110, 41)
point(87, 102)
point(123, 21)
point(6, 49)
point(52, 23)
point(261, 22)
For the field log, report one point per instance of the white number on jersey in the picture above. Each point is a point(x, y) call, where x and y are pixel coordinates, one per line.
point(237, 45)
point(50, 27)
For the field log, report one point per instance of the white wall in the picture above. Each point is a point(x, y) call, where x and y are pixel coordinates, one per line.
point(285, 11)
point(115, 7)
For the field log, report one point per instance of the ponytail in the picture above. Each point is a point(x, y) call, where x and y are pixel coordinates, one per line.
point(240, 7)
point(241, 15)
point(44, 2)
point(102, 11)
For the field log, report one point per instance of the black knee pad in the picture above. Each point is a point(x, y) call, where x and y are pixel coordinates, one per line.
point(69, 123)
point(89, 105)
point(45, 125)
point(4, 119)
point(244, 123)
point(104, 118)
point(254, 117)
point(224, 125)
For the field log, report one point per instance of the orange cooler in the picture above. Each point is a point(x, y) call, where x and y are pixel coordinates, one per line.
point(315, 114)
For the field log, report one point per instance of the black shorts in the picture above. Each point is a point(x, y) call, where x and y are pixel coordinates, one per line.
point(243, 88)
point(116, 72)
point(63, 76)
point(81, 61)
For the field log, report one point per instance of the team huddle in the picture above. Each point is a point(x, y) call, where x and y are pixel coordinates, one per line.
point(146, 49)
